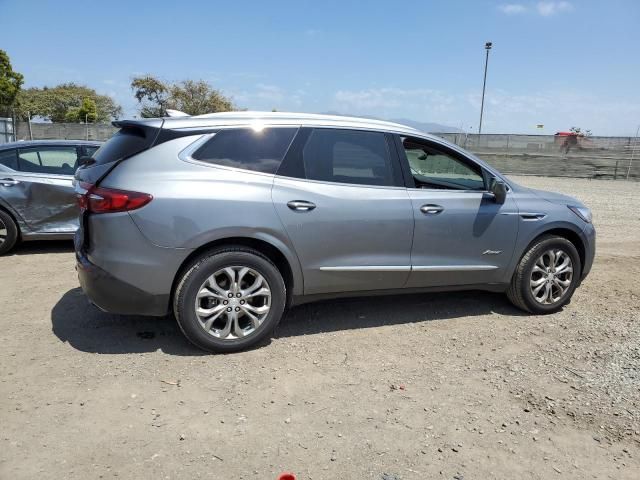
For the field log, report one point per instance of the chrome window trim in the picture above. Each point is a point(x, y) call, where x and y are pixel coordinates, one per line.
point(447, 190)
point(324, 182)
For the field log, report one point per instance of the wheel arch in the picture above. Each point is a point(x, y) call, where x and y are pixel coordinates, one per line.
point(16, 219)
point(564, 232)
point(287, 266)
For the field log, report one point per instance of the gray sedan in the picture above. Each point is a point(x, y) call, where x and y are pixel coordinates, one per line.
point(37, 200)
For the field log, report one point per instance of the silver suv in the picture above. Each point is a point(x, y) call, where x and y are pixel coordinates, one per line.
point(227, 219)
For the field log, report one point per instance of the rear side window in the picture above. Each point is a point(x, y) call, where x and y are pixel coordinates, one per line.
point(90, 150)
point(48, 160)
point(246, 148)
point(9, 159)
point(125, 143)
point(348, 156)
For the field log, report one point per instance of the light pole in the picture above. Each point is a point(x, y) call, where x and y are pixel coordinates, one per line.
point(487, 47)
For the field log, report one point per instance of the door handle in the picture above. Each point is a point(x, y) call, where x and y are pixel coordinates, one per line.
point(431, 209)
point(9, 182)
point(301, 205)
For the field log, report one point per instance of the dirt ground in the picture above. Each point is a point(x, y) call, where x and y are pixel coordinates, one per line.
point(452, 386)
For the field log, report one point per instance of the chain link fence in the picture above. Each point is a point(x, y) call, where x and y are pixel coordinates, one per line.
point(64, 131)
point(547, 155)
point(555, 155)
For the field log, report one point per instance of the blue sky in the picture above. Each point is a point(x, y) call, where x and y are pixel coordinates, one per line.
point(558, 63)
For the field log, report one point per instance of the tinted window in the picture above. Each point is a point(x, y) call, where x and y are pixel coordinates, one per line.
point(48, 160)
point(8, 159)
point(348, 156)
point(434, 168)
point(260, 151)
point(125, 143)
point(90, 150)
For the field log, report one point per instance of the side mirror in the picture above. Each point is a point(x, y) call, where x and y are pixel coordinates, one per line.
point(85, 160)
point(499, 190)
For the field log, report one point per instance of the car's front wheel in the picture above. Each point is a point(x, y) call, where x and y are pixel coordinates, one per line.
point(229, 300)
point(8, 232)
point(546, 276)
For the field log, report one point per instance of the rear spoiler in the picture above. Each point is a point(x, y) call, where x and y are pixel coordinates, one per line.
point(160, 130)
point(148, 128)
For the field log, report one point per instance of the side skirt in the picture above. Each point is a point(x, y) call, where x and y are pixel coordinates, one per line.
point(487, 287)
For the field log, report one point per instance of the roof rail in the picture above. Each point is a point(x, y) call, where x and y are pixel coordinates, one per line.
point(298, 116)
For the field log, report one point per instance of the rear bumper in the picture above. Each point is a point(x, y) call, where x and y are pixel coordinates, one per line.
point(115, 296)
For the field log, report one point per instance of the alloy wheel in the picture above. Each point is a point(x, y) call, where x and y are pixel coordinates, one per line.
point(233, 302)
point(551, 276)
point(3, 232)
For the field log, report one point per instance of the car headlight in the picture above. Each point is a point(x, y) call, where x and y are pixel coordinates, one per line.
point(583, 212)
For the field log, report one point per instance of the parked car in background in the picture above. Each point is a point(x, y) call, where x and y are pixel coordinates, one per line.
point(226, 219)
point(37, 199)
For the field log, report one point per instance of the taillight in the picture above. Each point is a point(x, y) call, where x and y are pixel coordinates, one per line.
point(109, 200)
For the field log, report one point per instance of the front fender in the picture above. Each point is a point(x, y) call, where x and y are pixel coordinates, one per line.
point(529, 230)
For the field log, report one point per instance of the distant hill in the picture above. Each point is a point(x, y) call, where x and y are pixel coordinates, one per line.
point(427, 127)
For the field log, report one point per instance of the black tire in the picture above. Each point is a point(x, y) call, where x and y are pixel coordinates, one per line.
point(519, 292)
point(206, 265)
point(6, 222)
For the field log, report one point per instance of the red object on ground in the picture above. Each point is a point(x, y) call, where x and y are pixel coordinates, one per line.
point(287, 476)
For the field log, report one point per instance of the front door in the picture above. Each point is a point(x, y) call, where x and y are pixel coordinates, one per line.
point(462, 236)
point(341, 200)
point(42, 191)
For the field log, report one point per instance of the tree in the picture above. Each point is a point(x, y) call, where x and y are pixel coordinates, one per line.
point(152, 95)
point(10, 84)
point(581, 133)
point(67, 102)
point(87, 112)
point(195, 97)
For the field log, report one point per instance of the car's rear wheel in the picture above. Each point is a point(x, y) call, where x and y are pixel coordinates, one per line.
point(547, 276)
point(8, 232)
point(229, 300)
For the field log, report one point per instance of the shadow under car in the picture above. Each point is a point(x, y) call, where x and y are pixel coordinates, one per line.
point(88, 329)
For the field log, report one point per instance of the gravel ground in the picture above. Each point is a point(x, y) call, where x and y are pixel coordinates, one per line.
point(458, 385)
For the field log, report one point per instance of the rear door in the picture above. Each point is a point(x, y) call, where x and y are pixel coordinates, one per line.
point(41, 189)
point(340, 196)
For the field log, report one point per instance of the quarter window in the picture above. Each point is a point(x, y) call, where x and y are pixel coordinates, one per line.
point(433, 168)
point(348, 156)
point(260, 151)
point(49, 160)
point(8, 159)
